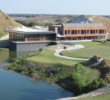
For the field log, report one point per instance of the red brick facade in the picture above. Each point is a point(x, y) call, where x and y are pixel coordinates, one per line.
point(82, 32)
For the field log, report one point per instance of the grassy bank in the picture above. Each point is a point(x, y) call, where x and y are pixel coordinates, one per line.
point(49, 58)
point(91, 49)
point(75, 78)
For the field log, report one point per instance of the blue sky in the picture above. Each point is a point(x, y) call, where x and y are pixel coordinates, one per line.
point(90, 7)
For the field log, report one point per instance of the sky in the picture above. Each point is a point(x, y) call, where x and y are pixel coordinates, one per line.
point(73, 7)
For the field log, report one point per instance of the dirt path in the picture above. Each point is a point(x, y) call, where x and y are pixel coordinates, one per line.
point(76, 46)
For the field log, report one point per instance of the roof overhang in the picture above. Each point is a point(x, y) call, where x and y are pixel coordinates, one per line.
point(30, 32)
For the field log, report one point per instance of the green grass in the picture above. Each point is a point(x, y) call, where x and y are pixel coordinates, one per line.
point(91, 49)
point(89, 74)
point(4, 55)
point(99, 97)
point(1, 33)
point(49, 58)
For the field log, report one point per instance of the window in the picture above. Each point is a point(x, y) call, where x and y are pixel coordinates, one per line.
point(103, 31)
point(96, 31)
point(87, 31)
point(68, 31)
point(82, 31)
point(78, 31)
point(91, 31)
point(100, 31)
point(65, 31)
point(73, 32)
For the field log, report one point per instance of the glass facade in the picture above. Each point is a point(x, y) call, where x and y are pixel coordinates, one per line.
point(31, 37)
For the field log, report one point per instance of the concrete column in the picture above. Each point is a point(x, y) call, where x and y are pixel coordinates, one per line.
point(70, 31)
point(56, 29)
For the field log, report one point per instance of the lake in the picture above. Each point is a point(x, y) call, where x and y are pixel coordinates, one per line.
point(15, 86)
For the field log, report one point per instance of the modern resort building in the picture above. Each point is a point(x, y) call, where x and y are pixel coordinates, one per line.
point(80, 31)
point(80, 28)
point(28, 41)
point(77, 29)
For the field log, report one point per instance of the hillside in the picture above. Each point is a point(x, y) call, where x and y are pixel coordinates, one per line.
point(100, 19)
point(42, 17)
point(6, 22)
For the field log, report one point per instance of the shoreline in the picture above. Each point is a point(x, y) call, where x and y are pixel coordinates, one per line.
point(96, 92)
point(37, 74)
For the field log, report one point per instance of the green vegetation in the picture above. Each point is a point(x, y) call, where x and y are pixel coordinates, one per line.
point(75, 79)
point(32, 23)
point(91, 49)
point(2, 33)
point(4, 55)
point(49, 58)
point(79, 80)
point(70, 74)
point(99, 97)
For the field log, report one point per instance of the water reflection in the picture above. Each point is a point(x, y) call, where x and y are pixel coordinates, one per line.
point(16, 54)
point(4, 55)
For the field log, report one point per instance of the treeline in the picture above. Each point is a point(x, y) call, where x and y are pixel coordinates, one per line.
point(39, 23)
point(34, 15)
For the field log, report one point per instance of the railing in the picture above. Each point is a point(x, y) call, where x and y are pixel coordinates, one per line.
point(33, 41)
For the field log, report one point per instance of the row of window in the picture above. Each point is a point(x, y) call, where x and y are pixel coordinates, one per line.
point(84, 31)
point(85, 38)
point(22, 37)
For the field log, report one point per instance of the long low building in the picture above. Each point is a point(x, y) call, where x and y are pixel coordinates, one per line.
point(25, 42)
point(31, 39)
point(80, 31)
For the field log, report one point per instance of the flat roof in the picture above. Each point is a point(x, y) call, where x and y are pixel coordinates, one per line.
point(31, 32)
point(56, 25)
point(82, 24)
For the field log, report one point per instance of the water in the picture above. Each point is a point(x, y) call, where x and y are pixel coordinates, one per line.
point(14, 86)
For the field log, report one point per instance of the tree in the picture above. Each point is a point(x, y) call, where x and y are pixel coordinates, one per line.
point(80, 68)
point(79, 80)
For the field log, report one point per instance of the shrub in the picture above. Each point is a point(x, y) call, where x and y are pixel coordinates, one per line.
point(80, 68)
point(31, 70)
point(98, 83)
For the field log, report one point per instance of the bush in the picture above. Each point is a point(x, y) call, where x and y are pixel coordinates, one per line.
point(31, 70)
point(80, 68)
point(98, 83)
